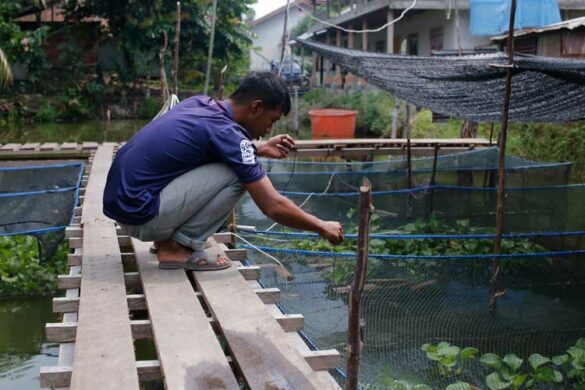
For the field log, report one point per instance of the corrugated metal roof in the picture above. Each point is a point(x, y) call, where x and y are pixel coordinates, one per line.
point(567, 24)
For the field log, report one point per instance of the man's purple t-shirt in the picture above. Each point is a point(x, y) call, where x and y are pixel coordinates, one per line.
point(198, 131)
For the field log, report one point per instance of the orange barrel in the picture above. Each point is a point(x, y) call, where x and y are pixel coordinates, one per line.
point(332, 123)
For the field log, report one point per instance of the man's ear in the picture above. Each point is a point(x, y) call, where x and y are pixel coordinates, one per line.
point(256, 107)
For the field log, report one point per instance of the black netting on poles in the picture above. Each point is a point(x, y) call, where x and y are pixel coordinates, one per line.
point(410, 303)
point(430, 265)
point(39, 200)
point(544, 89)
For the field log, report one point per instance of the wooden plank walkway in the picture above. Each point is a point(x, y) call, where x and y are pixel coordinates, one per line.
point(345, 148)
point(227, 333)
point(104, 352)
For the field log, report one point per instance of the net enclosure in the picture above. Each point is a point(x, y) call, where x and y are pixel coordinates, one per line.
point(544, 90)
point(39, 200)
point(477, 168)
point(427, 324)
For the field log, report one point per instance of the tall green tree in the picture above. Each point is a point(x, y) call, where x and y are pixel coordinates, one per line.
point(137, 27)
point(5, 71)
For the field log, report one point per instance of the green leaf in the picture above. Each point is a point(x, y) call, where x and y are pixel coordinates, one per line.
point(450, 351)
point(491, 360)
point(469, 353)
point(536, 360)
point(459, 386)
point(422, 387)
point(513, 361)
point(495, 382)
point(547, 374)
point(519, 380)
point(434, 356)
point(580, 343)
point(561, 360)
point(449, 361)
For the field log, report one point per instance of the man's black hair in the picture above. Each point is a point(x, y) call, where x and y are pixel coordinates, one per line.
point(265, 86)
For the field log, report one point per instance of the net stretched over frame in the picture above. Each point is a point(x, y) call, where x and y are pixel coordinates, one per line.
point(472, 87)
point(39, 200)
point(430, 266)
point(476, 168)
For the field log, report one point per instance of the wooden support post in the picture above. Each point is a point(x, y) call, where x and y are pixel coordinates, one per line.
point(210, 51)
point(176, 50)
point(390, 32)
point(494, 293)
point(431, 193)
point(354, 334)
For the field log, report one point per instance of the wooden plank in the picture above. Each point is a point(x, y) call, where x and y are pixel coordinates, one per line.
point(268, 295)
point(30, 146)
point(90, 145)
point(258, 343)
point(71, 304)
point(64, 282)
point(70, 146)
point(10, 147)
point(332, 143)
point(189, 351)
point(250, 272)
point(104, 350)
point(223, 238)
point(49, 146)
point(60, 376)
point(65, 332)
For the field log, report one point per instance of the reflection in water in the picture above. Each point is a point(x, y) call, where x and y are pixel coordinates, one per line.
point(22, 350)
point(97, 131)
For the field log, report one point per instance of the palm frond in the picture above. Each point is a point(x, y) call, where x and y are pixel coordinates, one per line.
point(5, 71)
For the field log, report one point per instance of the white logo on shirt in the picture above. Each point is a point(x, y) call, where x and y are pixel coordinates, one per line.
point(248, 156)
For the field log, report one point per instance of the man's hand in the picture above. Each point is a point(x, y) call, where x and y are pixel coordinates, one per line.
point(332, 232)
point(278, 146)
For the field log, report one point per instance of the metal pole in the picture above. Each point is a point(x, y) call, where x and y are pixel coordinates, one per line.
point(494, 293)
point(296, 114)
point(210, 52)
point(280, 65)
point(354, 330)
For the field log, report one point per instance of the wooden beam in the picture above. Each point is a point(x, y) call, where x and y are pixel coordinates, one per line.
point(190, 354)
point(236, 254)
point(268, 295)
point(60, 376)
point(132, 279)
point(251, 272)
point(71, 304)
point(64, 332)
point(77, 242)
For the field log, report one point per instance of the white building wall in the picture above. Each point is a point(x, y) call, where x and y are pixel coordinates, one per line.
point(422, 24)
point(267, 41)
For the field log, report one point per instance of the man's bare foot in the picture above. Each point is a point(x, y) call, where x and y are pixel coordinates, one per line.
point(171, 251)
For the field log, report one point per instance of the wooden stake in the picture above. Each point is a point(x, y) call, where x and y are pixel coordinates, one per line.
point(502, 164)
point(354, 334)
point(284, 34)
point(176, 51)
point(164, 86)
point(210, 52)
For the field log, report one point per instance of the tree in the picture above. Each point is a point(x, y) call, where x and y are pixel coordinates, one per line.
point(138, 28)
point(5, 72)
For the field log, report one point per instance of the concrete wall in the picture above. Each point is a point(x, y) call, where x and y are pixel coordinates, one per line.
point(267, 41)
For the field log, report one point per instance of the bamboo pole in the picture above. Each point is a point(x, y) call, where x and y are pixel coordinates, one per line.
point(284, 34)
point(210, 51)
point(354, 333)
point(176, 50)
point(494, 293)
point(164, 93)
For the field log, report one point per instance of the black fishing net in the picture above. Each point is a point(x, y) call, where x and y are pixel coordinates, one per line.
point(39, 200)
point(427, 324)
point(544, 89)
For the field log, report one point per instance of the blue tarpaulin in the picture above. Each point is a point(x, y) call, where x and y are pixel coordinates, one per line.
point(491, 17)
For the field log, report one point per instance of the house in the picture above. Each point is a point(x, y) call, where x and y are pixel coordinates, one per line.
point(565, 39)
point(428, 27)
point(267, 34)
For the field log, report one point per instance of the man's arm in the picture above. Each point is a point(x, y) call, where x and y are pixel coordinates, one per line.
point(285, 212)
point(278, 146)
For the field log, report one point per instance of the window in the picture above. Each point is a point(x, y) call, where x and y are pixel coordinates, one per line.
point(412, 45)
point(436, 38)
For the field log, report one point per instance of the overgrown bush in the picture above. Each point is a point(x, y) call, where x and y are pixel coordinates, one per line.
point(22, 273)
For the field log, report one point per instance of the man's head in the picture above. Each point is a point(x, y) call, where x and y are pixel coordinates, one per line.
point(259, 101)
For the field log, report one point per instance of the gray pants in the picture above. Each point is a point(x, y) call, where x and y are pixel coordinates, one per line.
point(192, 207)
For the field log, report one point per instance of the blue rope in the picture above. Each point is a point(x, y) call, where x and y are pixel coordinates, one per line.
point(423, 170)
point(417, 257)
point(431, 236)
point(25, 167)
point(35, 231)
point(435, 187)
point(40, 192)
